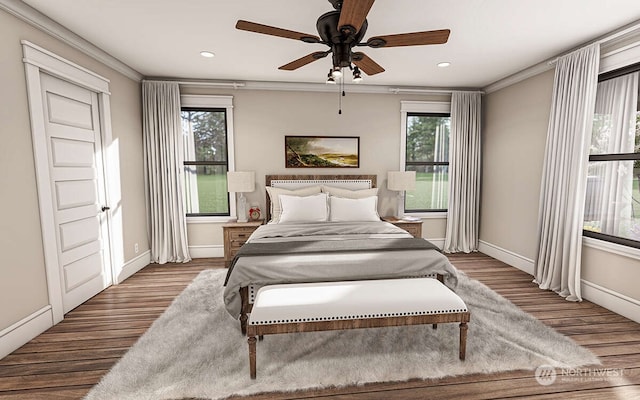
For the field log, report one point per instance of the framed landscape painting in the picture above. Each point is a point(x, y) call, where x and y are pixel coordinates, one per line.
point(322, 151)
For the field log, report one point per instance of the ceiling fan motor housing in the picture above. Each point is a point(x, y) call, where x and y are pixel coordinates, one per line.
point(341, 41)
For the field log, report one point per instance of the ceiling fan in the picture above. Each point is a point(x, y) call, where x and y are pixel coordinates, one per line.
point(342, 30)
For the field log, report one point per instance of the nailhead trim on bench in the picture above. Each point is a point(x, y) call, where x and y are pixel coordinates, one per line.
point(346, 317)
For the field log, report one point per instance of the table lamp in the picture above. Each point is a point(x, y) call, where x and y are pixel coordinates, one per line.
point(401, 181)
point(241, 182)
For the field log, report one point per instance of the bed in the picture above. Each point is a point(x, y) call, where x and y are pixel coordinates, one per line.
point(325, 228)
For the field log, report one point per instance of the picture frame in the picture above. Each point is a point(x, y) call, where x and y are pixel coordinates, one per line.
point(322, 151)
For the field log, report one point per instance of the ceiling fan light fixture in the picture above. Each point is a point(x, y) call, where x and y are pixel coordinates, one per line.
point(336, 72)
point(330, 79)
point(357, 77)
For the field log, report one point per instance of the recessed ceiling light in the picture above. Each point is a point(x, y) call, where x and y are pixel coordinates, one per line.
point(207, 54)
point(444, 64)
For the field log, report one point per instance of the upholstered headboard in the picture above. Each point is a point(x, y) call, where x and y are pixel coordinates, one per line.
point(292, 182)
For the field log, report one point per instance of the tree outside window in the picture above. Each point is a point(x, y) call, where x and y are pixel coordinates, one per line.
point(612, 201)
point(427, 153)
point(206, 163)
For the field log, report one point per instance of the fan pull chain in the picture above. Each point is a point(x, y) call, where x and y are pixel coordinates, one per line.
point(341, 94)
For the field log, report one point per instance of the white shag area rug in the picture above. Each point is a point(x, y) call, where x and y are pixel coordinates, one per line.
point(195, 349)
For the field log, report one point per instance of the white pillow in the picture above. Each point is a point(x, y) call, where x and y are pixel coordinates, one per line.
point(364, 209)
point(304, 209)
point(274, 195)
point(349, 194)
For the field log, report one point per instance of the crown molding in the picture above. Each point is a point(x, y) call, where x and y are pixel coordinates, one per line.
point(312, 87)
point(518, 77)
point(624, 38)
point(40, 21)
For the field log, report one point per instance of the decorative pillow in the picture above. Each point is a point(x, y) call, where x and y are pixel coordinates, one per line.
point(304, 209)
point(349, 194)
point(274, 195)
point(364, 209)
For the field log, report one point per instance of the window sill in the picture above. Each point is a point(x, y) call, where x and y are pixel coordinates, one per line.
point(428, 215)
point(223, 219)
point(610, 247)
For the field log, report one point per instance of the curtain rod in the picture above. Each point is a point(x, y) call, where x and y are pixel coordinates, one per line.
point(434, 91)
point(234, 85)
point(630, 28)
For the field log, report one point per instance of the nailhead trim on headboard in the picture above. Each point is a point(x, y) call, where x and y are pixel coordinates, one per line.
point(354, 183)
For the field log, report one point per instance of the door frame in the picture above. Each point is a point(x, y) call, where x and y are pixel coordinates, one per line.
point(36, 61)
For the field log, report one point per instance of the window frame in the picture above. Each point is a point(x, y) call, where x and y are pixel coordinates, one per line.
point(409, 108)
point(628, 69)
point(214, 103)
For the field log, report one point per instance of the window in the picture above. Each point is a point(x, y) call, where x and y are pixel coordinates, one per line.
point(427, 152)
point(612, 202)
point(206, 137)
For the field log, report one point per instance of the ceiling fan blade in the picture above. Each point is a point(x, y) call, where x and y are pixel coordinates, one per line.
point(353, 13)
point(273, 31)
point(302, 61)
point(366, 64)
point(410, 39)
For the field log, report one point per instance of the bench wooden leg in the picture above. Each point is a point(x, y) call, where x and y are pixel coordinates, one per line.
point(243, 323)
point(252, 356)
point(463, 340)
point(244, 310)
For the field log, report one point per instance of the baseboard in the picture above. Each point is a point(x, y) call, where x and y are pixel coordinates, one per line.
point(206, 251)
point(611, 300)
point(24, 330)
point(134, 265)
point(507, 257)
point(438, 242)
point(607, 298)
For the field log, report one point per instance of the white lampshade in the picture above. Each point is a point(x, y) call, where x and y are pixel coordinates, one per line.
point(401, 180)
point(241, 182)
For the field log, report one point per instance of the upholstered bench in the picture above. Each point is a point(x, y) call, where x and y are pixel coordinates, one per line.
point(323, 306)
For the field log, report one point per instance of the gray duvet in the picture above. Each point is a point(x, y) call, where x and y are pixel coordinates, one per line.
point(324, 266)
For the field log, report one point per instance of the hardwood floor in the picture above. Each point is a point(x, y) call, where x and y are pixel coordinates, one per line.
point(68, 359)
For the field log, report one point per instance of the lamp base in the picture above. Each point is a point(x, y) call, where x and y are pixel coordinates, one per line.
point(400, 209)
point(242, 209)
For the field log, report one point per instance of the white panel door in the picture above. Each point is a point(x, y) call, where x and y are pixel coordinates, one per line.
point(72, 126)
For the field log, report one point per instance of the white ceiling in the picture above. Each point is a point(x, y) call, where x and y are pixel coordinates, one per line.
point(490, 39)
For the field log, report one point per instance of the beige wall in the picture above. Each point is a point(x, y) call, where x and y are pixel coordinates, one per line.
point(263, 118)
point(23, 287)
point(514, 137)
point(513, 140)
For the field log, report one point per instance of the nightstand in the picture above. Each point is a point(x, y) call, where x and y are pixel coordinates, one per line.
point(235, 234)
point(413, 227)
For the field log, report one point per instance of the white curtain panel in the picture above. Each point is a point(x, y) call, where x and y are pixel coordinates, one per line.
point(464, 173)
point(610, 184)
point(564, 176)
point(163, 155)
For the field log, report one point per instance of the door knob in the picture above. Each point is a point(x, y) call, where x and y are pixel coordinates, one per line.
point(105, 208)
